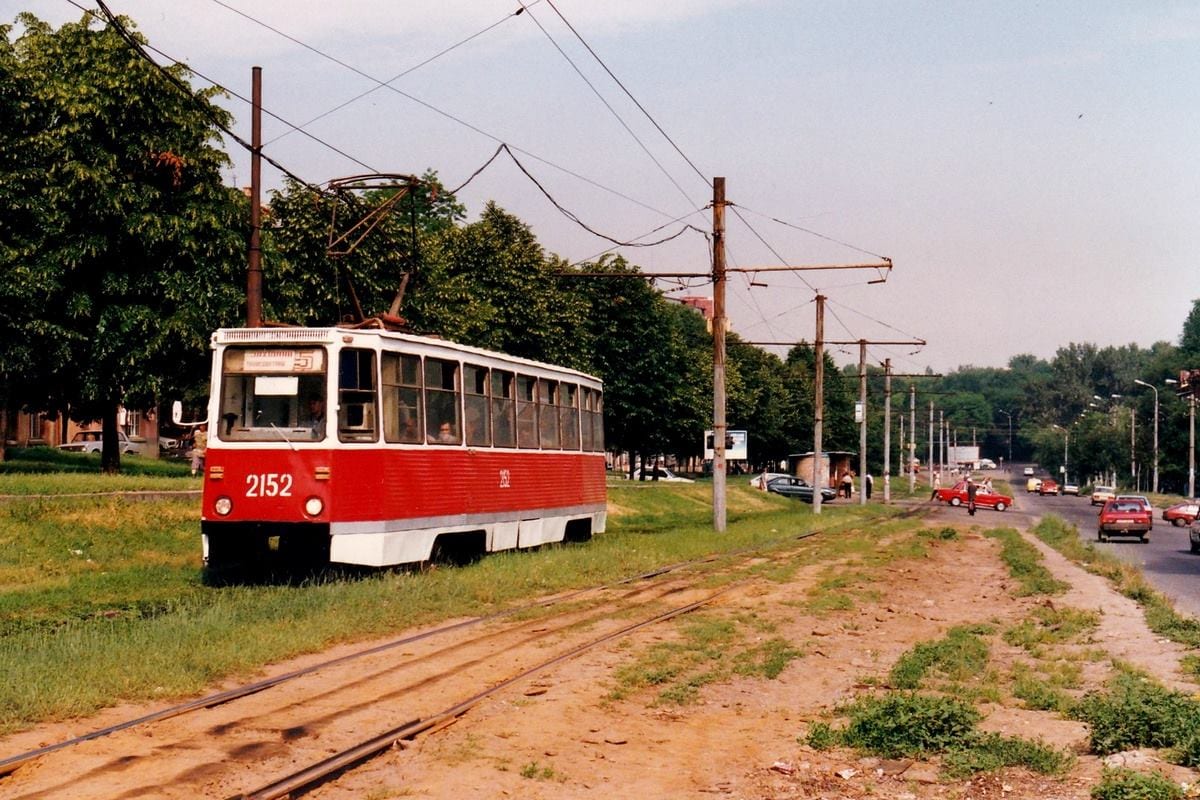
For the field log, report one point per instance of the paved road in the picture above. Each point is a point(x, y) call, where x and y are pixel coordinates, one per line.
point(1166, 559)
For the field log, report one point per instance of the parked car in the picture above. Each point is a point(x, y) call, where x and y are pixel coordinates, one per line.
point(1048, 486)
point(1124, 518)
point(761, 480)
point(799, 488)
point(1033, 485)
point(987, 463)
point(93, 442)
point(1102, 494)
point(1027, 471)
point(662, 474)
point(956, 495)
point(1070, 488)
point(1182, 514)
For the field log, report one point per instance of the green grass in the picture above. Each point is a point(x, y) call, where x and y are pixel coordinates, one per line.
point(47, 470)
point(959, 656)
point(102, 598)
point(1025, 564)
point(1134, 711)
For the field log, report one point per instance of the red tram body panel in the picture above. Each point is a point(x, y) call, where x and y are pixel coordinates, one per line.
point(426, 443)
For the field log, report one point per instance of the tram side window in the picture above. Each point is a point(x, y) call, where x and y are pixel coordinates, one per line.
point(441, 402)
point(402, 404)
point(527, 412)
point(593, 421)
point(475, 403)
point(356, 395)
point(504, 409)
point(548, 414)
point(568, 415)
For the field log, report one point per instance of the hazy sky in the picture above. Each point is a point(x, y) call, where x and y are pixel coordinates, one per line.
point(1031, 168)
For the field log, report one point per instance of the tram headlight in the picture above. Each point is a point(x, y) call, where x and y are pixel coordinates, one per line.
point(223, 506)
point(313, 506)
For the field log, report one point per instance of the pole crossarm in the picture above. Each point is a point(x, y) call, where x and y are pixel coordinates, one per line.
point(850, 341)
point(709, 275)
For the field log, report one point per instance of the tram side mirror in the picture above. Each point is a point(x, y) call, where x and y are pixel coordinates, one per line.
point(177, 416)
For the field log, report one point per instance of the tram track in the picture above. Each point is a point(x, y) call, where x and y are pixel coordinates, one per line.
point(297, 723)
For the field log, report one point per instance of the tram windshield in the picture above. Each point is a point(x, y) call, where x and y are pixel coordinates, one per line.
point(273, 393)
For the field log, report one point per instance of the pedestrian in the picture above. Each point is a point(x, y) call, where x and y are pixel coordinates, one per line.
point(847, 483)
point(199, 448)
point(937, 484)
point(970, 496)
point(868, 484)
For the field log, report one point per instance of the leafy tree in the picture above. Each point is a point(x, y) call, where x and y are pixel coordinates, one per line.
point(138, 233)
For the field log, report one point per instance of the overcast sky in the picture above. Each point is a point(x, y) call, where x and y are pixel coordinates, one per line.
point(1031, 168)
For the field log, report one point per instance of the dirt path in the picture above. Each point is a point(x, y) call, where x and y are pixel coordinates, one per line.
point(585, 731)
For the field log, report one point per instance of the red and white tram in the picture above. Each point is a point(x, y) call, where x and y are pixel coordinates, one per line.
point(429, 448)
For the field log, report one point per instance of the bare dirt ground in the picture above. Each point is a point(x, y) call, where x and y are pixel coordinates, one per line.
point(743, 739)
point(561, 735)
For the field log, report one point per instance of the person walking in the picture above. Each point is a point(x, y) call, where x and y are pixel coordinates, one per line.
point(868, 484)
point(847, 483)
point(970, 496)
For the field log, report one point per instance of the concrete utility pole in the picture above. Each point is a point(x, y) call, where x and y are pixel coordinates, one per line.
point(818, 402)
point(254, 291)
point(719, 426)
point(862, 425)
point(887, 430)
point(912, 435)
point(930, 442)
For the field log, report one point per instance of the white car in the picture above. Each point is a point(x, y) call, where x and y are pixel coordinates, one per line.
point(1027, 471)
point(662, 474)
point(93, 442)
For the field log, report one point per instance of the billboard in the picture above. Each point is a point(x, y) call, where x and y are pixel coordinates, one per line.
point(735, 446)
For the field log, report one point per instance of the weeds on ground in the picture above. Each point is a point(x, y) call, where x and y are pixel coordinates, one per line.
point(1134, 712)
point(1125, 784)
point(1128, 580)
point(537, 772)
point(918, 726)
point(709, 650)
point(958, 656)
point(1043, 690)
point(1025, 564)
point(1051, 626)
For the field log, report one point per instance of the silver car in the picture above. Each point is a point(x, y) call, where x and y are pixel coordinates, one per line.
point(93, 442)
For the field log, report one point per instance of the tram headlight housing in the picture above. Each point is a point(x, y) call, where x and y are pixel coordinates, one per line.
point(313, 506)
point(223, 506)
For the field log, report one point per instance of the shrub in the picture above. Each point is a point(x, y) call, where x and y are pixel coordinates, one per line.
point(1136, 712)
point(1125, 784)
point(908, 724)
point(983, 752)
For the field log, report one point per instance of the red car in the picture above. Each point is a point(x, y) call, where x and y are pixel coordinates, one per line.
point(1125, 518)
point(956, 495)
point(1049, 486)
point(1182, 514)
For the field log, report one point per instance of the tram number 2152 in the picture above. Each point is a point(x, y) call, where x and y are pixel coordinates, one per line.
point(269, 484)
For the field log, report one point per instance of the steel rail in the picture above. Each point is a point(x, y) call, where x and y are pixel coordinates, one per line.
point(10, 764)
point(318, 772)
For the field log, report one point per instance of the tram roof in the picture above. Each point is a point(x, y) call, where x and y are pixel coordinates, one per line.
point(297, 335)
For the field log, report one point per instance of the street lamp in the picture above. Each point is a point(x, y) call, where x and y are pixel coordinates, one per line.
point(1191, 441)
point(1155, 390)
point(1066, 447)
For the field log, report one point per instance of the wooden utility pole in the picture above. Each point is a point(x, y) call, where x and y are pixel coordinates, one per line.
point(254, 290)
point(818, 403)
point(718, 324)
